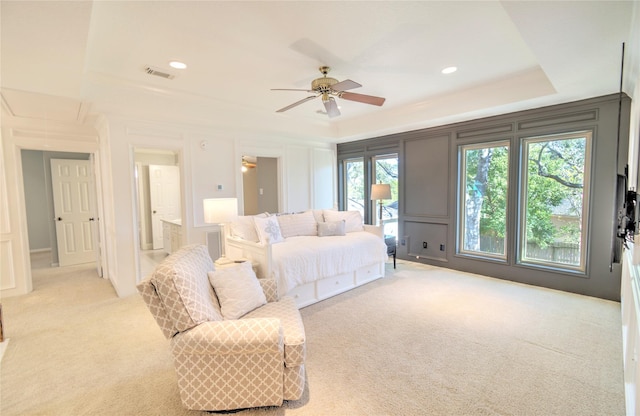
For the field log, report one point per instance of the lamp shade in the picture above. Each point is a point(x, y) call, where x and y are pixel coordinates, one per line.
point(380, 191)
point(220, 210)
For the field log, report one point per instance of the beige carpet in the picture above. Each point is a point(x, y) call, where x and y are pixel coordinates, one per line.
point(422, 341)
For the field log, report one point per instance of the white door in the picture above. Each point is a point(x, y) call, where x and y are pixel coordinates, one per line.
point(94, 222)
point(72, 182)
point(164, 192)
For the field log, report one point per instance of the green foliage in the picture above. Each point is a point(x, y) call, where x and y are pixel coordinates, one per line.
point(387, 172)
point(555, 178)
point(494, 208)
point(554, 185)
point(355, 184)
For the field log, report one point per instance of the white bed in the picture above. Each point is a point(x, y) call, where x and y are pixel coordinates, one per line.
point(312, 268)
point(305, 259)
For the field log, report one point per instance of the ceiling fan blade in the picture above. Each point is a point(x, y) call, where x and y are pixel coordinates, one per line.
point(361, 98)
point(331, 107)
point(347, 84)
point(290, 89)
point(290, 106)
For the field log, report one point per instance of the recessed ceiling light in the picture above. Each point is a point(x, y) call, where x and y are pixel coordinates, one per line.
point(177, 65)
point(449, 70)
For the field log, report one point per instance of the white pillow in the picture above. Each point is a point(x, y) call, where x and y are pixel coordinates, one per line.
point(317, 214)
point(353, 219)
point(268, 230)
point(298, 224)
point(244, 227)
point(238, 290)
point(326, 229)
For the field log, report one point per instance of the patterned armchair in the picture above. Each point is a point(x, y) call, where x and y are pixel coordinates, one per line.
point(256, 360)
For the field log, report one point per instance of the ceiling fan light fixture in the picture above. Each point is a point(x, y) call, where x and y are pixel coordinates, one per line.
point(327, 88)
point(246, 164)
point(323, 84)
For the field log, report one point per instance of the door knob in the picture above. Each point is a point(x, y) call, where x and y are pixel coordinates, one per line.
point(154, 211)
point(59, 219)
point(91, 219)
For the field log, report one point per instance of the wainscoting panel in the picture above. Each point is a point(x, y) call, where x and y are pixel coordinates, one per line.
point(426, 240)
point(630, 305)
point(426, 177)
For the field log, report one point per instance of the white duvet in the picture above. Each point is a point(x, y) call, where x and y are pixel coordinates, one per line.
point(304, 259)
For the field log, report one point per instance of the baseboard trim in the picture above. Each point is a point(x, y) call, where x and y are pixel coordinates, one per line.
point(3, 347)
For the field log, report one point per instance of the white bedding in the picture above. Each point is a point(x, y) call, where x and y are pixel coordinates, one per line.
point(303, 259)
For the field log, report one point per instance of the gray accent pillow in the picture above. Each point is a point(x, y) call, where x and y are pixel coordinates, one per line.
point(330, 228)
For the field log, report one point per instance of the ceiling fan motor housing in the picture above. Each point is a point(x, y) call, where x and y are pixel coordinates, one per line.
point(323, 84)
point(324, 87)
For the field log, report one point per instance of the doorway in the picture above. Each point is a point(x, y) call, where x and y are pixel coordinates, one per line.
point(260, 184)
point(74, 210)
point(44, 231)
point(158, 200)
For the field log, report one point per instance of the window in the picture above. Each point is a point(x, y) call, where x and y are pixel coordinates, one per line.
point(354, 185)
point(385, 170)
point(554, 200)
point(483, 187)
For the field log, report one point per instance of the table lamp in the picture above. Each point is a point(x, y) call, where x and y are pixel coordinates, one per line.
point(379, 192)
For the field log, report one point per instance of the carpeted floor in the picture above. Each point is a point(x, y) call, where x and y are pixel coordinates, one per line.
point(422, 341)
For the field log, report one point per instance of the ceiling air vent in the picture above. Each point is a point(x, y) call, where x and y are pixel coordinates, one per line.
point(157, 72)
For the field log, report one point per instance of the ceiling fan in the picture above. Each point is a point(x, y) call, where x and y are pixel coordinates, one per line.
point(327, 87)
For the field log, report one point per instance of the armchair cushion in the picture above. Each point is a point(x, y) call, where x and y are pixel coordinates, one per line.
point(238, 290)
point(184, 290)
point(243, 336)
point(293, 329)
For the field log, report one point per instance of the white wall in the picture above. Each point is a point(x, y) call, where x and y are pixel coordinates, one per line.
point(143, 160)
point(208, 159)
point(16, 135)
point(210, 168)
point(35, 191)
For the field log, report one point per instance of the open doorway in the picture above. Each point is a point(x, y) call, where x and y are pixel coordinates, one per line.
point(158, 206)
point(57, 239)
point(260, 184)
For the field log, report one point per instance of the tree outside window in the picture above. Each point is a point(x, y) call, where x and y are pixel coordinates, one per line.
point(354, 185)
point(483, 198)
point(554, 199)
point(386, 171)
